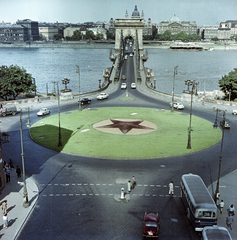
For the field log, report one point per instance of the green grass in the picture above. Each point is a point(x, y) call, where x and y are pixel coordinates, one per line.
point(169, 139)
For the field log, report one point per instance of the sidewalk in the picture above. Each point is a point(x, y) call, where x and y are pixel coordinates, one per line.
point(228, 194)
point(17, 214)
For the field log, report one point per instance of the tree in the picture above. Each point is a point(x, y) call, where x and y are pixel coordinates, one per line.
point(167, 36)
point(215, 39)
point(90, 35)
point(14, 80)
point(110, 35)
point(99, 36)
point(58, 36)
point(76, 35)
point(228, 84)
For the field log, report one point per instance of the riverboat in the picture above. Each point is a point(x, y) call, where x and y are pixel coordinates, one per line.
point(186, 46)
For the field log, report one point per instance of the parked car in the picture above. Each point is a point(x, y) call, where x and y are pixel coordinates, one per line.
point(133, 85)
point(131, 54)
point(151, 225)
point(8, 109)
point(124, 77)
point(102, 96)
point(85, 101)
point(234, 112)
point(123, 86)
point(42, 112)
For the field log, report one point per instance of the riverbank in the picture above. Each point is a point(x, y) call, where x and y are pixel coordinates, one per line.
point(109, 45)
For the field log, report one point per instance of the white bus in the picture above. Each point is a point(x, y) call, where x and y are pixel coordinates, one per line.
point(215, 232)
point(200, 206)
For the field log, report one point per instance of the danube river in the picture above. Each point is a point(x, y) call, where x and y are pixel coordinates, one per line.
point(53, 64)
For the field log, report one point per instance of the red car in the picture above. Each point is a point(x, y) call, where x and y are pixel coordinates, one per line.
point(151, 225)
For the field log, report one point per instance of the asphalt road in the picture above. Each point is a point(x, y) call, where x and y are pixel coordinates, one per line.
point(76, 199)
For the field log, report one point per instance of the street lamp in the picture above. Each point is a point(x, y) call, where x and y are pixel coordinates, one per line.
point(191, 83)
point(222, 124)
point(25, 194)
point(59, 128)
point(175, 73)
point(78, 71)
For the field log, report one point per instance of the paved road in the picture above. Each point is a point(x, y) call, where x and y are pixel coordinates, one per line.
point(76, 199)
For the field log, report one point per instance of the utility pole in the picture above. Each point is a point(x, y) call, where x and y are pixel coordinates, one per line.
point(175, 73)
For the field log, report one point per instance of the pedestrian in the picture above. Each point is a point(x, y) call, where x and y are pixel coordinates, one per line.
point(230, 220)
point(8, 175)
point(171, 188)
point(4, 207)
point(221, 206)
point(129, 186)
point(231, 210)
point(5, 221)
point(18, 172)
point(133, 182)
point(11, 164)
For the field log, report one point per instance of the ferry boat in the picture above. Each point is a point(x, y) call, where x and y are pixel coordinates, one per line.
point(186, 46)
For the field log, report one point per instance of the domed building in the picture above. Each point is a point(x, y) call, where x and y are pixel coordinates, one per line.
point(175, 25)
point(135, 13)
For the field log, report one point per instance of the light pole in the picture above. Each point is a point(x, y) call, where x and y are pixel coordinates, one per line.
point(192, 84)
point(222, 124)
point(25, 193)
point(175, 73)
point(59, 127)
point(78, 71)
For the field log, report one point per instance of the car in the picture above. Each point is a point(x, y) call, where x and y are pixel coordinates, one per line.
point(126, 57)
point(42, 112)
point(177, 105)
point(151, 225)
point(227, 124)
point(124, 77)
point(234, 112)
point(8, 109)
point(131, 54)
point(102, 96)
point(123, 86)
point(85, 101)
point(133, 85)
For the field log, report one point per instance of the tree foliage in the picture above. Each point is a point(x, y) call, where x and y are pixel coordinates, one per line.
point(58, 36)
point(90, 35)
point(14, 80)
point(228, 84)
point(76, 35)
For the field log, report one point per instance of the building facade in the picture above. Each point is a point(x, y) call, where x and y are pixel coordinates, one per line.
point(13, 33)
point(227, 29)
point(176, 26)
point(47, 32)
point(32, 29)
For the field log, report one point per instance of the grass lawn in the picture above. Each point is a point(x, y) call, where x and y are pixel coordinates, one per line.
point(170, 138)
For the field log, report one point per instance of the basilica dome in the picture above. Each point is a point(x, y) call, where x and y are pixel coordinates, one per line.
point(135, 13)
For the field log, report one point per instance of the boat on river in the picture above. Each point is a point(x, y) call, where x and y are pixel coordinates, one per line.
point(186, 46)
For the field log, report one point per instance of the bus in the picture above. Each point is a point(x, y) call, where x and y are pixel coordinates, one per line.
point(215, 232)
point(200, 206)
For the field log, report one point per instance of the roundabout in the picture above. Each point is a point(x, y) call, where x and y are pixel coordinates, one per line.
point(124, 133)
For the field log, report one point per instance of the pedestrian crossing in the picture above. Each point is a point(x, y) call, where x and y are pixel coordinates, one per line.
point(105, 189)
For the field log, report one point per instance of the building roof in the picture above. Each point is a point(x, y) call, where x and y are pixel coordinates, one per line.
point(135, 13)
point(175, 19)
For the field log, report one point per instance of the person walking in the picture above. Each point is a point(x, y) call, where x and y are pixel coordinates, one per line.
point(230, 220)
point(171, 188)
point(5, 221)
point(133, 182)
point(231, 210)
point(18, 172)
point(8, 175)
point(221, 206)
point(11, 164)
point(129, 186)
point(4, 207)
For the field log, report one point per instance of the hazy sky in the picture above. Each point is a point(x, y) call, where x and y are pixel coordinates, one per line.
point(79, 11)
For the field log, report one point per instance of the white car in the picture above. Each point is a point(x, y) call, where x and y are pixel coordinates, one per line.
point(133, 85)
point(102, 96)
point(177, 105)
point(123, 86)
point(234, 112)
point(43, 111)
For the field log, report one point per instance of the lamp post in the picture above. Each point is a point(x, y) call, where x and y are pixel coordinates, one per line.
point(78, 71)
point(25, 193)
point(59, 127)
point(175, 73)
point(222, 124)
point(192, 84)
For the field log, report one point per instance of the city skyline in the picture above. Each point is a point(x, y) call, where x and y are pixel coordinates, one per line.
point(78, 11)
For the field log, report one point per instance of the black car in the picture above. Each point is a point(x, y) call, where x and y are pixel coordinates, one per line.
point(85, 101)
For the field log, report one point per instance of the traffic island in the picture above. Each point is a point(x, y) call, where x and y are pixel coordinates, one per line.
point(128, 133)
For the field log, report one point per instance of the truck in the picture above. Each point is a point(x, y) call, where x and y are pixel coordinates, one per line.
point(7, 110)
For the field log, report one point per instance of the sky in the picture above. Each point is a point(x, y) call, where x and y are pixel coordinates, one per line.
point(79, 11)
